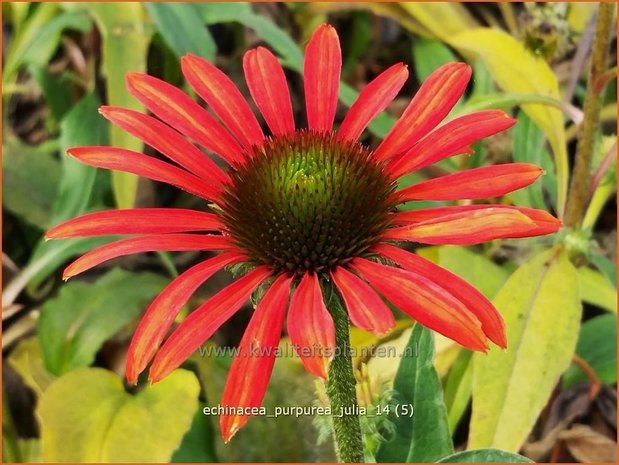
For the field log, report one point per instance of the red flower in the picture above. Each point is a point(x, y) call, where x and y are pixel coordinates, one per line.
point(310, 209)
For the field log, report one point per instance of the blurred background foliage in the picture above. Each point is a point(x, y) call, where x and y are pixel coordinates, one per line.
point(550, 396)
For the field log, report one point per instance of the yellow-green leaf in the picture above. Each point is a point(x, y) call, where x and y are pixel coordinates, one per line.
point(516, 70)
point(27, 360)
point(86, 416)
point(441, 18)
point(540, 303)
point(597, 290)
point(125, 46)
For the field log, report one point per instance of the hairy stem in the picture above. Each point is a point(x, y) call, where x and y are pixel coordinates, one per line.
point(342, 392)
point(579, 188)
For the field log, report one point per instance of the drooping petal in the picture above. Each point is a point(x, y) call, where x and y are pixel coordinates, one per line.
point(224, 98)
point(430, 105)
point(469, 227)
point(203, 322)
point(268, 87)
point(114, 158)
point(166, 140)
point(136, 221)
point(148, 243)
point(373, 99)
point(492, 323)
point(321, 77)
point(176, 108)
point(425, 301)
point(545, 223)
point(251, 369)
point(161, 313)
point(365, 308)
point(476, 183)
point(310, 327)
point(453, 138)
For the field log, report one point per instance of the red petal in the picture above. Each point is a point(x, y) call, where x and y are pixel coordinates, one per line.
point(166, 140)
point(310, 327)
point(366, 309)
point(114, 158)
point(136, 221)
point(544, 221)
point(469, 227)
point(251, 369)
point(476, 183)
point(268, 87)
point(424, 301)
point(163, 310)
point(453, 138)
point(373, 99)
point(432, 102)
point(148, 243)
point(321, 77)
point(203, 322)
point(178, 110)
point(224, 98)
point(492, 323)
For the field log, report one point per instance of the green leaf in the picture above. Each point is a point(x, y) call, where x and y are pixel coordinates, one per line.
point(606, 267)
point(540, 303)
point(198, 444)
point(31, 176)
point(27, 360)
point(481, 272)
point(124, 48)
point(528, 147)
point(81, 126)
point(182, 29)
point(458, 388)
point(596, 289)
point(597, 345)
point(422, 435)
point(516, 70)
point(55, 88)
point(430, 54)
point(86, 416)
point(485, 456)
point(40, 38)
point(74, 325)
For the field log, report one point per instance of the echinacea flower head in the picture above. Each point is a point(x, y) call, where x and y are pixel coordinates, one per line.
point(306, 209)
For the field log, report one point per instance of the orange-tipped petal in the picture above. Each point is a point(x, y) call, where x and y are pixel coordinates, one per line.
point(425, 301)
point(176, 108)
point(148, 243)
point(476, 183)
point(251, 369)
point(268, 87)
point(321, 77)
point(224, 98)
point(545, 223)
point(430, 105)
point(373, 99)
point(166, 140)
point(161, 313)
point(365, 308)
point(492, 323)
point(468, 227)
point(453, 138)
point(310, 327)
point(203, 322)
point(114, 158)
point(136, 221)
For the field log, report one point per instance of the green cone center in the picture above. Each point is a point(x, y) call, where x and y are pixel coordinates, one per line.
point(307, 202)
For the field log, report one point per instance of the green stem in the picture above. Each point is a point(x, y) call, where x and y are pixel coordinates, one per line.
point(579, 188)
point(341, 389)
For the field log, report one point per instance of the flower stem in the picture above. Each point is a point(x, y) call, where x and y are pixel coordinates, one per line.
point(342, 391)
point(579, 188)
